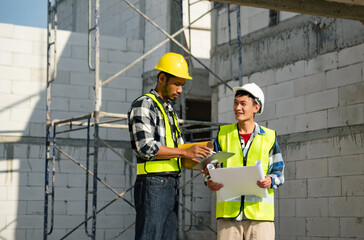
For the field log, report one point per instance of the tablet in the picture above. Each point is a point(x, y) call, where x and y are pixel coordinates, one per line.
point(219, 156)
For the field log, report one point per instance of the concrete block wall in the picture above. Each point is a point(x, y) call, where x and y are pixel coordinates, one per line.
point(22, 198)
point(157, 11)
point(196, 197)
point(200, 31)
point(251, 19)
point(323, 193)
point(160, 12)
point(73, 16)
point(281, 45)
point(23, 79)
point(120, 20)
point(316, 107)
point(22, 131)
point(319, 93)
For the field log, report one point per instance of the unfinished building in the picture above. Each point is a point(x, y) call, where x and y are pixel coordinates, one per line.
point(310, 68)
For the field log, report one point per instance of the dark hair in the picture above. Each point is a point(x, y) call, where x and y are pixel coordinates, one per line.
point(168, 76)
point(246, 93)
point(243, 93)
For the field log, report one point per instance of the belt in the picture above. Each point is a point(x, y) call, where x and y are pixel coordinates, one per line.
point(176, 175)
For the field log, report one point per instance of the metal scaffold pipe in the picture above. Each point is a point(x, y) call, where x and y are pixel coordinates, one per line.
point(92, 174)
point(100, 210)
point(90, 30)
point(169, 37)
point(176, 42)
point(230, 44)
point(240, 60)
point(51, 76)
point(96, 115)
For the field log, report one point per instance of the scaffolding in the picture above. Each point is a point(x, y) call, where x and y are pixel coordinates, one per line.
point(98, 119)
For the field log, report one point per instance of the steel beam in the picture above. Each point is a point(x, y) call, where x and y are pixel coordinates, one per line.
point(326, 8)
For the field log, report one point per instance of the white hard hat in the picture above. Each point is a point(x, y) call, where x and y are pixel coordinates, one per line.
point(254, 90)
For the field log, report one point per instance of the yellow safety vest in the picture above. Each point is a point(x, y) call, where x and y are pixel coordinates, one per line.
point(255, 208)
point(172, 165)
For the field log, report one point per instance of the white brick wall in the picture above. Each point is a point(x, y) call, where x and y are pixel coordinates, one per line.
point(22, 178)
point(327, 192)
point(351, 55)
point(312, 121)
point(23, 73)
point(22, 97)
point(292, 227)
point(352, 74)
point(22, 113)
point(200, 39)
point(329, 227)
point(346, 165)
point(252, 19)
point(312, 207)
point(316, 93)
point(280, 91)
point(152, 35)
point(324, 176)
point(351, 227)
point(310, 84)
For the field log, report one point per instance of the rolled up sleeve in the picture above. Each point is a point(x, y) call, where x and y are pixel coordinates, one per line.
point(142, 123)
point(276, 167)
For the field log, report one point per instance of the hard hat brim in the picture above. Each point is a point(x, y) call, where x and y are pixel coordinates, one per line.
point(235, 89)
point(176, 75)
point(174, 64)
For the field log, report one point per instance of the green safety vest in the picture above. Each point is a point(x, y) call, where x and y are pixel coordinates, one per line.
point(255, 208)
point(172, 165)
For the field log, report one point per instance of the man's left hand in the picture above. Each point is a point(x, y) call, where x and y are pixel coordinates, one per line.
point(265, 183)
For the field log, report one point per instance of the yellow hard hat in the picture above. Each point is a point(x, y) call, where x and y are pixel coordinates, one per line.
point(175, 64)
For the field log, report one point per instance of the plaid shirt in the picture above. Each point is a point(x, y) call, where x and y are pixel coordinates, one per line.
point(146, 126)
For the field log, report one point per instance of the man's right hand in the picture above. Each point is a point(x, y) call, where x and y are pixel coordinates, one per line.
point(214, 186)
point(206, 170)
point(197, 151)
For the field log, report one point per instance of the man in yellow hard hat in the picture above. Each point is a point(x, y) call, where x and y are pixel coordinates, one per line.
point(248, 217)
point(155, 136)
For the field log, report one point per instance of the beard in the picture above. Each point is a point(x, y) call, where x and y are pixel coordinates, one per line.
point(164, 92)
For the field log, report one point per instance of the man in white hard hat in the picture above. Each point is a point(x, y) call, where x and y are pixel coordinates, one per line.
point(154, 137)
point(248, 217)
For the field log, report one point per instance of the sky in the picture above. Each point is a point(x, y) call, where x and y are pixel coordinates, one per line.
point(24, 12)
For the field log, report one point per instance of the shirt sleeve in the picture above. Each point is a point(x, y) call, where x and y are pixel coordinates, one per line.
point(217, 147)
point(142, 126)
point(276, 166)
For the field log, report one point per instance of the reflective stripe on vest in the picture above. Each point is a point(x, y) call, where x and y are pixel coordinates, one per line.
point(255, 208)
point(162, 165)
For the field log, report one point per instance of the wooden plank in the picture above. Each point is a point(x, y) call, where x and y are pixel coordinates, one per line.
point(352, 2)
point(325, 8)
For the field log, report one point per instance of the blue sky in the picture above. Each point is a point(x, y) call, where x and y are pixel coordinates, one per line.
point(24, 12)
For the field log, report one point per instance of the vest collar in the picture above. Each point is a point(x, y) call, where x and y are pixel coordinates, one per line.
point(257, 129)
point(261, 130)
point(166, 105)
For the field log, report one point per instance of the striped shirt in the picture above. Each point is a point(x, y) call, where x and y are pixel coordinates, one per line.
point(146, 127)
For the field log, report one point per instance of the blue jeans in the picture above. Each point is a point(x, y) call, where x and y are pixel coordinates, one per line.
point(156, 203)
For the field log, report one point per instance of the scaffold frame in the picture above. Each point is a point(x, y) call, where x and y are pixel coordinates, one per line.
point(95, 119)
